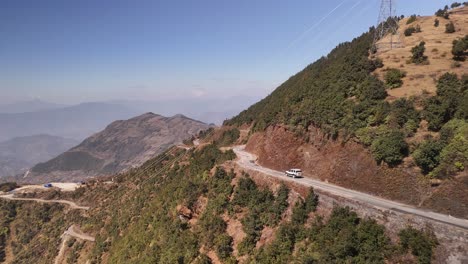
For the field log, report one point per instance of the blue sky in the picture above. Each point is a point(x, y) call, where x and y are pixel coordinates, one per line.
point(74, 51)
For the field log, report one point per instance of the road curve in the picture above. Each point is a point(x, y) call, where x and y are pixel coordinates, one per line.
point(247, 161)
point(75, 232)
point(69, 203)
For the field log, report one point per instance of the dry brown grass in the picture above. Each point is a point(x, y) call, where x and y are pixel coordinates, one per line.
point(438, 43)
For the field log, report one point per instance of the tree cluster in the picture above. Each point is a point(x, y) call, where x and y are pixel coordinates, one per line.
point(450, 27)
point(417, 52)
point(460, 48)
point(393, 78)
point(410, 30)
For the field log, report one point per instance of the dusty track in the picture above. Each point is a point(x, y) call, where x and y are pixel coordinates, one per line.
point(74, 232)
point(69, 203)
point(247, 160)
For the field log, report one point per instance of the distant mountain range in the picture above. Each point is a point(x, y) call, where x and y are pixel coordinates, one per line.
point(28, 106)
point(208, 110)
point(122, 145)
point(80, 121)
point(19, 154)
point(76, 122)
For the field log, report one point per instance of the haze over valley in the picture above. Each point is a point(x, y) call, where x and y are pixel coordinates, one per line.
point(234, 132)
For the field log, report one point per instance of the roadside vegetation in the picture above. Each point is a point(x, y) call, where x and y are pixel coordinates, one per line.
point(33, 230)
point(228, 137)
point(176, 209)
point(8, 186)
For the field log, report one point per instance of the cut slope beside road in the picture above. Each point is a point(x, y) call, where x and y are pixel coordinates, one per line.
point(247, 161)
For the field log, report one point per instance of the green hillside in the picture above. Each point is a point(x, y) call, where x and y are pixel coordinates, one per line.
point(341, 95)
point(176, 209)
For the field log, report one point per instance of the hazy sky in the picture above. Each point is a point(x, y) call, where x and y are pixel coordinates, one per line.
point(73, 51)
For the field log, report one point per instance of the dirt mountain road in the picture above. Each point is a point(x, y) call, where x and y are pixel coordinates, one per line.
point(76, 232)
point(69, 203)
point(247, 160)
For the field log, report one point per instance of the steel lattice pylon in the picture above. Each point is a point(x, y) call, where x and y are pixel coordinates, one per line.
point(386, 33)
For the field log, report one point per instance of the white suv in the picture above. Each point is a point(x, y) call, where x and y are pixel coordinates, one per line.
point(295, 173)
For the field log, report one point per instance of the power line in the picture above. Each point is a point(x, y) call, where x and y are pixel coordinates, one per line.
point(315, 25)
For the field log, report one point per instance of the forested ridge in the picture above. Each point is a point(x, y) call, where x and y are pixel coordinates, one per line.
point(341, 95)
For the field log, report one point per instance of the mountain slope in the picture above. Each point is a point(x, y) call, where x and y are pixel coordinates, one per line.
point(19, 154)
point(342, 119)
point(196, 206)
point(121, 145)
point(76, 122)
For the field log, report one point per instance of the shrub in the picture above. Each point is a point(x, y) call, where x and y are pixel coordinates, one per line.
point(372, 89)
point(455, 64)
point(449, 89)
point(464, 83)
point(228, 137)
point(377, 63)
point(8, 186)
point(410, 127)
point(436, 22)
point(449, 130)
point(281, 203)
point(449, 28)
point(454, 157)
point(420, 243)
point(411, 19)
point(435, 113)
point(390, 148)
point(402, 110)
point(302, 208)
point(311, 201)
point(442, 13)
point(393, 78)
point(223, 245)
point(202, 259)
point(350, 240)
point(418, 28)
point(460, 48)
point(462, 111)
point(418, 53)
point(366, 135)
point(455, 5)
point(427, 155)
point(299, 213)
point(409, 31)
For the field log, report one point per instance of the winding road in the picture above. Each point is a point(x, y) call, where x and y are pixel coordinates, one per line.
point(247, 160)
point(75, 232)
point(69, 203)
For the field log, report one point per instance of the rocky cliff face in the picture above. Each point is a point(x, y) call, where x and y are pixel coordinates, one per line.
point(122, 145)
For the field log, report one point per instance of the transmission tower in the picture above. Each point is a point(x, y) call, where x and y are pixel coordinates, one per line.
point(386, 34)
